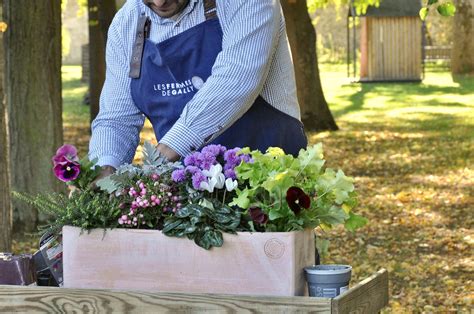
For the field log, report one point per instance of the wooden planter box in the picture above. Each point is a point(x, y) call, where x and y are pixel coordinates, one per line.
point(247, 263)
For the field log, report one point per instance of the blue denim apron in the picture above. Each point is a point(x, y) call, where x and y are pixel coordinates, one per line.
point(172, 71)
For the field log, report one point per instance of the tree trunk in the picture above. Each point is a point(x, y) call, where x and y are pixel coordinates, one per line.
point(462, 59)
point(5, 200)
point(33, 99)
point(302, 36)
point(101, 13)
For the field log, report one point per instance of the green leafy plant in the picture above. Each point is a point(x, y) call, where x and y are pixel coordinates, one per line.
point(86, 209)
point(288, 193)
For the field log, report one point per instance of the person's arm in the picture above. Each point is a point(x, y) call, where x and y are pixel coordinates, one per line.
point(250, 37)
point(116, 130)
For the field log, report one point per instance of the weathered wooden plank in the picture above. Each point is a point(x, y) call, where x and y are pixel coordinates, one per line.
point(54, 300)
point(368, 296)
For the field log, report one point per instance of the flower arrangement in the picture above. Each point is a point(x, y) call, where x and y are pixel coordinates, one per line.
point(212, 191)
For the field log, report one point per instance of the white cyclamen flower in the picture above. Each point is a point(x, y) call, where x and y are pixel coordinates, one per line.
point(215, 174)
point(213, 171)
point(230, 184)
point(209, 185)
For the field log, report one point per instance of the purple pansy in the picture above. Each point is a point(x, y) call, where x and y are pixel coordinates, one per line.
point(297, 199)
point(65, 153)
point(67, 171)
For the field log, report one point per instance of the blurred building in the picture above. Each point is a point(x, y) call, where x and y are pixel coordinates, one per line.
point(390, 42)
point(75, 32)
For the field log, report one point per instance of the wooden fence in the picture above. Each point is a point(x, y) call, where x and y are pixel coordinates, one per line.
point(368, 296)
point(437, 53)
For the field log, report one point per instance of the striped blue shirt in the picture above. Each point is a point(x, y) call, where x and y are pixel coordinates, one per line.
point(255, 60)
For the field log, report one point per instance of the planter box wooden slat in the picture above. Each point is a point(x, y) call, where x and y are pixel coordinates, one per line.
point(132, 259)
point(46, 299)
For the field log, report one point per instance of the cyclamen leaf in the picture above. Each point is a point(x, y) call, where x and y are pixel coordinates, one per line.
point(206, 203)
point(170, 224)
point(214, 237)
point(222, 218)
point(190, 210)
point(209, 238)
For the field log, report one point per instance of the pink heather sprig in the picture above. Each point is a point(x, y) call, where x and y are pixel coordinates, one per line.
point(148, 200)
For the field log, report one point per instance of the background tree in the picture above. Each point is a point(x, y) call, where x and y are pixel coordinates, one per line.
point(302, 36)
point(315, 111)
point(33, 98)
point(5, 201)
point(101, 13)
point(462, 59)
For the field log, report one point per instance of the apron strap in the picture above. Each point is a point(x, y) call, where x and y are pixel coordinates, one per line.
point(210, 10)
point(143, 32)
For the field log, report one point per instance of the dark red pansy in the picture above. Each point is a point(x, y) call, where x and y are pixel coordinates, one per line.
point(258, 215)
point(297, 199)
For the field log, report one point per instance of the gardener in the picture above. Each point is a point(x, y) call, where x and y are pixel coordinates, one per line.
point(202, 71)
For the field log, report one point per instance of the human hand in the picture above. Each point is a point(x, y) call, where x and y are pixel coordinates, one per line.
point(169, 153)
point(105, 171)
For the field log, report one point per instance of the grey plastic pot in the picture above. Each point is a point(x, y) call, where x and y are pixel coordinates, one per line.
point(327, 281)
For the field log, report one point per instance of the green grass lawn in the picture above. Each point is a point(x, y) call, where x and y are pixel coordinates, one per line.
point(410, 148)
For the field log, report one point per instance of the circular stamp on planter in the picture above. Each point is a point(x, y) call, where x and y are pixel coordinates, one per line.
point(274, 248)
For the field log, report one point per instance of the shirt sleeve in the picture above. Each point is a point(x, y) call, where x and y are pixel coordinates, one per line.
point(250, 34)
point(116, 130)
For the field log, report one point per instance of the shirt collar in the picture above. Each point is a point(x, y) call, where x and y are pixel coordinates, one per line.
point(175, 19)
